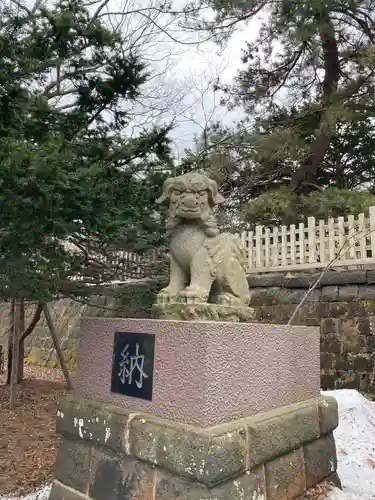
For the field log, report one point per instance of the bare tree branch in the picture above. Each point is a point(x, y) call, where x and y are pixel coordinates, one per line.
point(344, 247)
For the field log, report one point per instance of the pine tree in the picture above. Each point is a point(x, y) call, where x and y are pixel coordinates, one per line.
point(68, 171)
point(317, 57)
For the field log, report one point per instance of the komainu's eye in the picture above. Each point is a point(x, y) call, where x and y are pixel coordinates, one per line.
point(176, 191)
point(202, 193)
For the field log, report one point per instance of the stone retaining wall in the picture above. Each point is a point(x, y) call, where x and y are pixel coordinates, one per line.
point(343, 305)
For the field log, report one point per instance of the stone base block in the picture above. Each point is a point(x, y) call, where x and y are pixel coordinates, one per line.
point(106, 453)
point(205, 372)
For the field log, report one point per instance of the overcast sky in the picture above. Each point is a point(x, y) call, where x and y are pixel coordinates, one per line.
point(182, 74)
point(181, 71)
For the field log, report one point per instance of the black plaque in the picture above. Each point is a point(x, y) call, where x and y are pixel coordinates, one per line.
point(133, 364)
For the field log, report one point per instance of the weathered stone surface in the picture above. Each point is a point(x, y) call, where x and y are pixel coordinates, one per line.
point(369, 344)
point(328, 361)
point(328, 414)
point(285, 476)
point(329, 326)
point(249, 486)
point(159, 442)
point(330, 292)
point(269, 296)
point(254, 458)
point(116, 478)
point(363, 362)
point(350, 338)
point(211, 264)
point(62, 492)
point(365, 325)
point(202, 312)
point(330, 344)
point(327, 381)
point(107, 478)
point(199, 456)
point(209, 456)
point(348, 292)
point(344, 277)
point(285, 430)
point(296, 295)
point(282, 312)
point(73, 464)
point(357, 308)
point(344, 363)
point(366, 292)
point(312, 321)
point(91, 421)
point(265, 280)
point(347, 380)
point(300, 280)
point(336, 310)
point(226, 457)
point(371, 276)
point(320, 460)
point(314, 296)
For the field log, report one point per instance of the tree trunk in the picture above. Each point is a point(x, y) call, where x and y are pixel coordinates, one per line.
point(307, 170)
point(24, 335)
point(16, 330)
point(56, 343)
point(21, 343)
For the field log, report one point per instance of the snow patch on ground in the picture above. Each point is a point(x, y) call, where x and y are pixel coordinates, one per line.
point(41, 494)
point(355, 441)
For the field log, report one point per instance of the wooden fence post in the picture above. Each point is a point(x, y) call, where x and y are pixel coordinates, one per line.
point(372, 230)
point(311, 239)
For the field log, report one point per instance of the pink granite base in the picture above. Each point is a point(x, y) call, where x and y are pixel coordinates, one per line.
point(206, 373)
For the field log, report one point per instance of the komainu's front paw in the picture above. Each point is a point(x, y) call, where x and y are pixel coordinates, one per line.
point(227, 299)
point(166, 295)
point(193, 295)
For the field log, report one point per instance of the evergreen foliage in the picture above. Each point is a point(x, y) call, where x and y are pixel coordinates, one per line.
point(68, 171)
point(307, 86)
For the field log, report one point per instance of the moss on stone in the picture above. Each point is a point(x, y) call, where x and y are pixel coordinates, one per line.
point(208, 456)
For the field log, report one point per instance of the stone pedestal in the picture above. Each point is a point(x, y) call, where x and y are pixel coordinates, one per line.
point(202, 312)
point(236, 413)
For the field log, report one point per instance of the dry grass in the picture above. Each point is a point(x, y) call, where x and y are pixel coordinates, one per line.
point(320, 492)
point(28, 437)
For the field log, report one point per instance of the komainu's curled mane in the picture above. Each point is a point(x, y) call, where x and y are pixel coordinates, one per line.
point(205, 265)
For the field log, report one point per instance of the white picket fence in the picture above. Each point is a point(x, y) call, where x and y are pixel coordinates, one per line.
point(348, 241)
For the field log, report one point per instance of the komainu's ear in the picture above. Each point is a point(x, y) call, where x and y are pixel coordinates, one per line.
point(216, 197)
point(168, 184)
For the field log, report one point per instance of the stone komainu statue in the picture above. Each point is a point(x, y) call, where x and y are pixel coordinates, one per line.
point(205, 266)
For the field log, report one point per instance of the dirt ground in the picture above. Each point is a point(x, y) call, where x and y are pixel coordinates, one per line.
point(27, 437)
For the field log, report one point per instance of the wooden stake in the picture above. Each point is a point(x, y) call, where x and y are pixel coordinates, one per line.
point(56, 343)
point(21, 343)
point(10, 341)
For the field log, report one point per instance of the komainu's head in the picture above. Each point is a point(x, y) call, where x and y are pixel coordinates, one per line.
point(190, 194)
